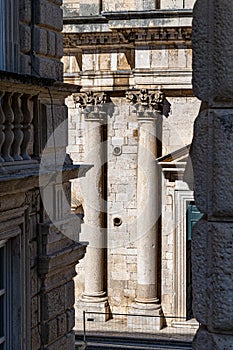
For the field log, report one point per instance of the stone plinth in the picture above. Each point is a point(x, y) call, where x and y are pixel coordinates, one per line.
point(145, 317)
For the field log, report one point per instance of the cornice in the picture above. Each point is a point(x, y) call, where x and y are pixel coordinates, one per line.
point(128, 37)
point(122, 15)
point(106, 16)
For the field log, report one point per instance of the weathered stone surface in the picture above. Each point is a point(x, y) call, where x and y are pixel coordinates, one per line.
point(212, 300)
point(25, 38)
point(222, 201)
point(25, 11)
point(48, 15)
point(199, 270)
point(89, 7)
point(204, 340)
point(41, 41)
point(212, 42)
point(200, 160)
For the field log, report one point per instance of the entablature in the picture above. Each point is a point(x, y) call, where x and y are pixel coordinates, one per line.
point(129, 37)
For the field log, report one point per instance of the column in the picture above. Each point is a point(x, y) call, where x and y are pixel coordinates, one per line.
point(94, 298)
point(212, 149)
point(149, 106)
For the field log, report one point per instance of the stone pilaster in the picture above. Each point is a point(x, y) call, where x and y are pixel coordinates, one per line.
point(149, 108)
point(94, 297)
point(212, 163)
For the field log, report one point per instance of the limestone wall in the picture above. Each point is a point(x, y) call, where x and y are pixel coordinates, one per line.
point(87, 7)
point(117, 54)
point(177, 130)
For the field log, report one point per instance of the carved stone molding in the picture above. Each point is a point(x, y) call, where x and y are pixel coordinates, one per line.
point(93, 105)
point(128, 36)
point(146, 100)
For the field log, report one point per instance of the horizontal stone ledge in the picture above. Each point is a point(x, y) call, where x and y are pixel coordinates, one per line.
point(25, 176)
point(120, 15)
point(15, 82)
point(84, 19)
point(69, 256)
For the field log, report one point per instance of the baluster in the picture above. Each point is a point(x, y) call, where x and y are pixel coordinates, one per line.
point(2, 119)
point(18, 134)
point(26, 122)
point(9, 135)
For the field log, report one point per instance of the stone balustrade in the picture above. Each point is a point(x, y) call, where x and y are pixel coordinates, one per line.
point(16, 125)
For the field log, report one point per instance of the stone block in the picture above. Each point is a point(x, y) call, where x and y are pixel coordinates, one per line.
point(69, 294)
point(45, 67)
point(61, 324)
point(218, 125)
point(213, 274)
point(25, 11)
point(199, 155)
point(222, 189)
point(25, 64)
point(129, 149)
point(212, 52)
point(34, 282)
point(58, 70)
point(50, 331)
point(25, 38)
point(51, 43)
point(171, 4)
point(89, 7)
point(35, 339)
point(205, 340)
point(142, 58)
point(59, 45)
point(144, 317)
point(48, 15)
point(221, 276)
point(40, 41)
point(199, 270)
point(70, 319)
point(53, 303)
point(97, 312)
point(35, 311)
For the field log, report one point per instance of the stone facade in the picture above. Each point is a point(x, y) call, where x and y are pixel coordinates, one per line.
point(132, 51)
point(38, 251)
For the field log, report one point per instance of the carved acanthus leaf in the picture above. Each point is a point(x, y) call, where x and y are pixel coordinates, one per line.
point(146, 100)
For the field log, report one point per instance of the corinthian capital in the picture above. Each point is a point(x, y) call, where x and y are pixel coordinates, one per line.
point(92, 104)
point(146, 100)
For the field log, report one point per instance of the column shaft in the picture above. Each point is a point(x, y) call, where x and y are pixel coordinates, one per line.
point(93, 208)
point(147, 213)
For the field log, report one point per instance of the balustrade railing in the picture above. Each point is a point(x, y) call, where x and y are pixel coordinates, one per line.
point(16, 118)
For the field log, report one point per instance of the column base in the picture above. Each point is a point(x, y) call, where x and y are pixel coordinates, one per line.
point(145, 317)
point(96, 310)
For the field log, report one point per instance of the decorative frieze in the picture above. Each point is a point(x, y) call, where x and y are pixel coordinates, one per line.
point(128, 36)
